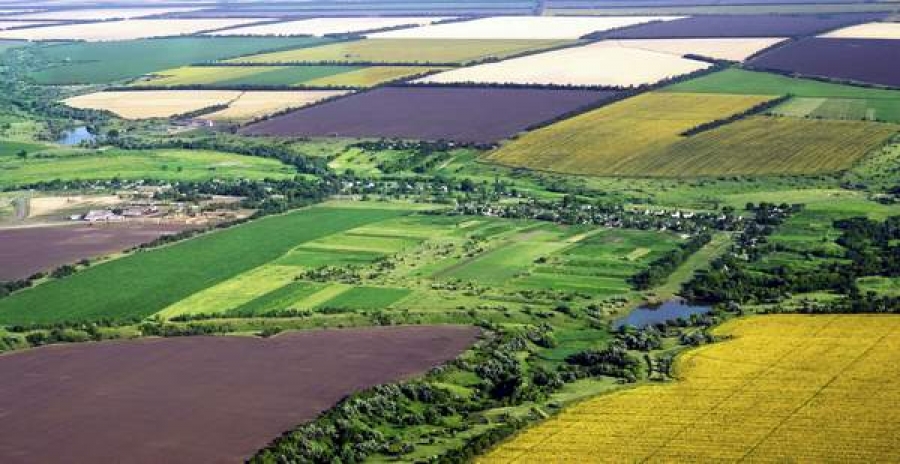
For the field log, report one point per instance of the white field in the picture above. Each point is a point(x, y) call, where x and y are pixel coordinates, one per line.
point(867, 31)
point(597, 64)
point(152, 103)
point(123, 30)
point(103, 13)
point(260, 103)
point(9, 24)
point(722, 49)
point(323, 26)
point(520, 27)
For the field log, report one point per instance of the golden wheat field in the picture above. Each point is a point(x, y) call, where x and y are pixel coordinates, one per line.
point(787, 388)
point(607, 140)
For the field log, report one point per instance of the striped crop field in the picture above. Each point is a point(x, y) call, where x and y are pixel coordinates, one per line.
point(786, 388)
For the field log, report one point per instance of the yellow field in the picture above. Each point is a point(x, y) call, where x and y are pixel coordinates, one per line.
point(785, 389)
point(765, 145)
point(402, 51)
point(373, 75)
point(607, 140)
point(260, 103)
point(867, 31)
point(324, 26)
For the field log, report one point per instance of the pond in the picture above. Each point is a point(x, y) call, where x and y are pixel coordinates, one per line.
point(655, 314)
point(76, 136)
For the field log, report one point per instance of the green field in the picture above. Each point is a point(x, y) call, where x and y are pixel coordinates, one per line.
point(8, 44)
point(294, 76)
point(813, 98)
point(417, 51)
point(144, 283)
point(11, 147)
point(104, 62)
point(75, 164)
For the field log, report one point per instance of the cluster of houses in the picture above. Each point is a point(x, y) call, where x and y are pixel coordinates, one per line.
point(116, 214)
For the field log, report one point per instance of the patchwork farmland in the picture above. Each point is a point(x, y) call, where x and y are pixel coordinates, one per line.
point(639, 205)
point(871, 61)
point(625, 67)
point(784, 388)
point(458, 114)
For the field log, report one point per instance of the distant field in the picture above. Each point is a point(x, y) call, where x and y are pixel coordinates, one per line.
point(149, 282)
point(783, 389)
point(80, 14)
point(577, 66)
point(141, 104)
point(17, 24)
point(423, 51)
point(519, 27)
point(606, 141)
point(732, 49)
point(122, 30)
point(427, 113)
point(97, 63)
point(9, 147)
point(66, 164)
point(812, 98)
point(243, 76)
point(323, 26)
point(867, 31)
point(871, 61)
point(8, 44)
point(766, 145)
point(767, 25)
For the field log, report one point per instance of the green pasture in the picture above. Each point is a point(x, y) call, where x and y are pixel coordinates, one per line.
point(166, 164)
point(105, 62)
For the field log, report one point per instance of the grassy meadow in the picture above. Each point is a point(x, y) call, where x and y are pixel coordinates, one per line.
point(77, 164)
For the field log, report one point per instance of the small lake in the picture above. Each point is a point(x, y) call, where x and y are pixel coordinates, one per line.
point(76, 136)
point(657, 314)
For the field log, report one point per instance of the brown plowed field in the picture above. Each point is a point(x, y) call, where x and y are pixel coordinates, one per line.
point(24, 251)
point(196, 399)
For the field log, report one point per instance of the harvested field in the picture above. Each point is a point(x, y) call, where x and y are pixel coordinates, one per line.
point(261, 103)
point(298, 76)
point(122, 30)
point(26, 250)
point(577, 66)
point(766, 25)
point(871, 61)
point(735, 49)
point(429, 113)
point(520, 27)
point(867, 31)
point(606, 141)
point(103, 62)
point(424, 51)
point(102, 13)
point(786, 388)
point(324, 26)
point(198, 399)
point(766, 146)
point(153, 103)
point(14, 24)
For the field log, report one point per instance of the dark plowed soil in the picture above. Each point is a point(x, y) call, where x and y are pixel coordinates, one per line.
point(474, 115)
point(28, 250)
point(872, 61)
point(764, 25)
point(197, 399)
